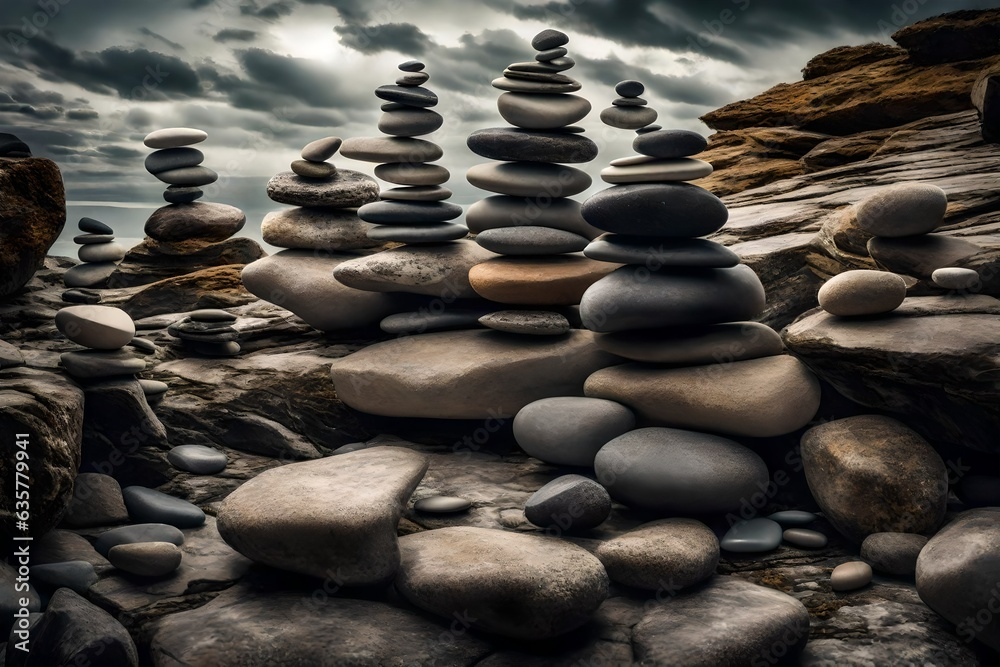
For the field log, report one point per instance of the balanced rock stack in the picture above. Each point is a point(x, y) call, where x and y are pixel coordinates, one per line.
point(531, 221)
point(209, 332)
point(902, 219)
point(679, 308)
point(105, 332)
point(436, 260)
point(320, 234)
point(99, 253)
point(186, 235)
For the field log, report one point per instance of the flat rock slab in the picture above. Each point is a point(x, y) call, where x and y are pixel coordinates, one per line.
point(516, 585)
point(248, 626)
point(933, 360)
point(347, 189)
point(334, 517)
point(465, 374)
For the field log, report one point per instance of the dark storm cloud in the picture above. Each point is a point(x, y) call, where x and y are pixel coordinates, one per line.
point(267, 12)
point(400, 37)
point(149, 33)
point(687, 89)
point(235, 35)
point(130, 73)
point(82, 114)
point(27, 93)
point(350, 11)
point(718, 28)
point(39, 113)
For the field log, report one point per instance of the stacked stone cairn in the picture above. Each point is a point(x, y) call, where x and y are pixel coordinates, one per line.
point(697, 369)
point(531, 221)
point(435, 260)
point(185, 235)
point(208, 332)
point(99, 254)
point(902, 219)
point(319, 234)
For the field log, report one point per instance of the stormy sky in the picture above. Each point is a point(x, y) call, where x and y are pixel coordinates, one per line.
point(82, 81)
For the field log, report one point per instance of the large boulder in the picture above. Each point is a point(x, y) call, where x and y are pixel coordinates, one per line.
point(214, 287)
point(154, 260)
point(48, 409)
point(512, 584)
point(958, 571)
point(334, 517)
point(465, 374)
point(32, 214)
point(75, 632)
point(873, 474)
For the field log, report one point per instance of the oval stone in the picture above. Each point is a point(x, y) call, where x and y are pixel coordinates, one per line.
point(756, 398)
point(152, 388)
point(396, 212)
point(318, 170)
point(91, 226)
point(545, 281)
point(657, 252)
point(658, 171)
point(628, 117)
point(679, 472)
point(570, 503)
point(893, 553)
point(413, 79)
point(551, 54)
point(407, 173)
point(955, 278)
point(173, 158)
point(88, 239)
point(97, 327)
point(531, 241)
point(630, 88)
point(182, 194)
point(321, 150)
point(570, 430)
point(528, 322)
point(695, 346)
point(549, 39)
point(207, 221)
point(682, 552)
point(309, 228)
point(529, 179)
point(348, 189)
point(753, 536)
point(850, 576)
point(411, 66)
point(501, 211)
point(805, 538)
point(101, 252)
point(793, 517)
point(390, 149)
point(91, 364)
point(188, 176)
point(635, 298)
point(862, 292)
point(433, 232)
point(902, 209)
point(873, 474)
point(677, 210)
point(152, 506)
point(515, 85)
point(416, 193)
point(198, 459)
point(136, 533)
point(511, 144)
point(442, 504)
point(174, 137)
point(414, 96)
point(669, 143)
point(146, 559)
point(542, 111)
point(89, 275)
point(409, 122)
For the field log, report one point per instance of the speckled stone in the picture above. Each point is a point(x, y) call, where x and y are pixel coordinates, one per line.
point(893, 553)
point(850, 576)
point(677, 552)
point(528, 322)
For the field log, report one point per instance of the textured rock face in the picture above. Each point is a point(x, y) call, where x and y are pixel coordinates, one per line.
point(872, 474)
point(32, 213)
point(334, 517)
point(952, 37)
point(932, 360)
point(843, 58)
point(153, 260)
point(49, 409)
